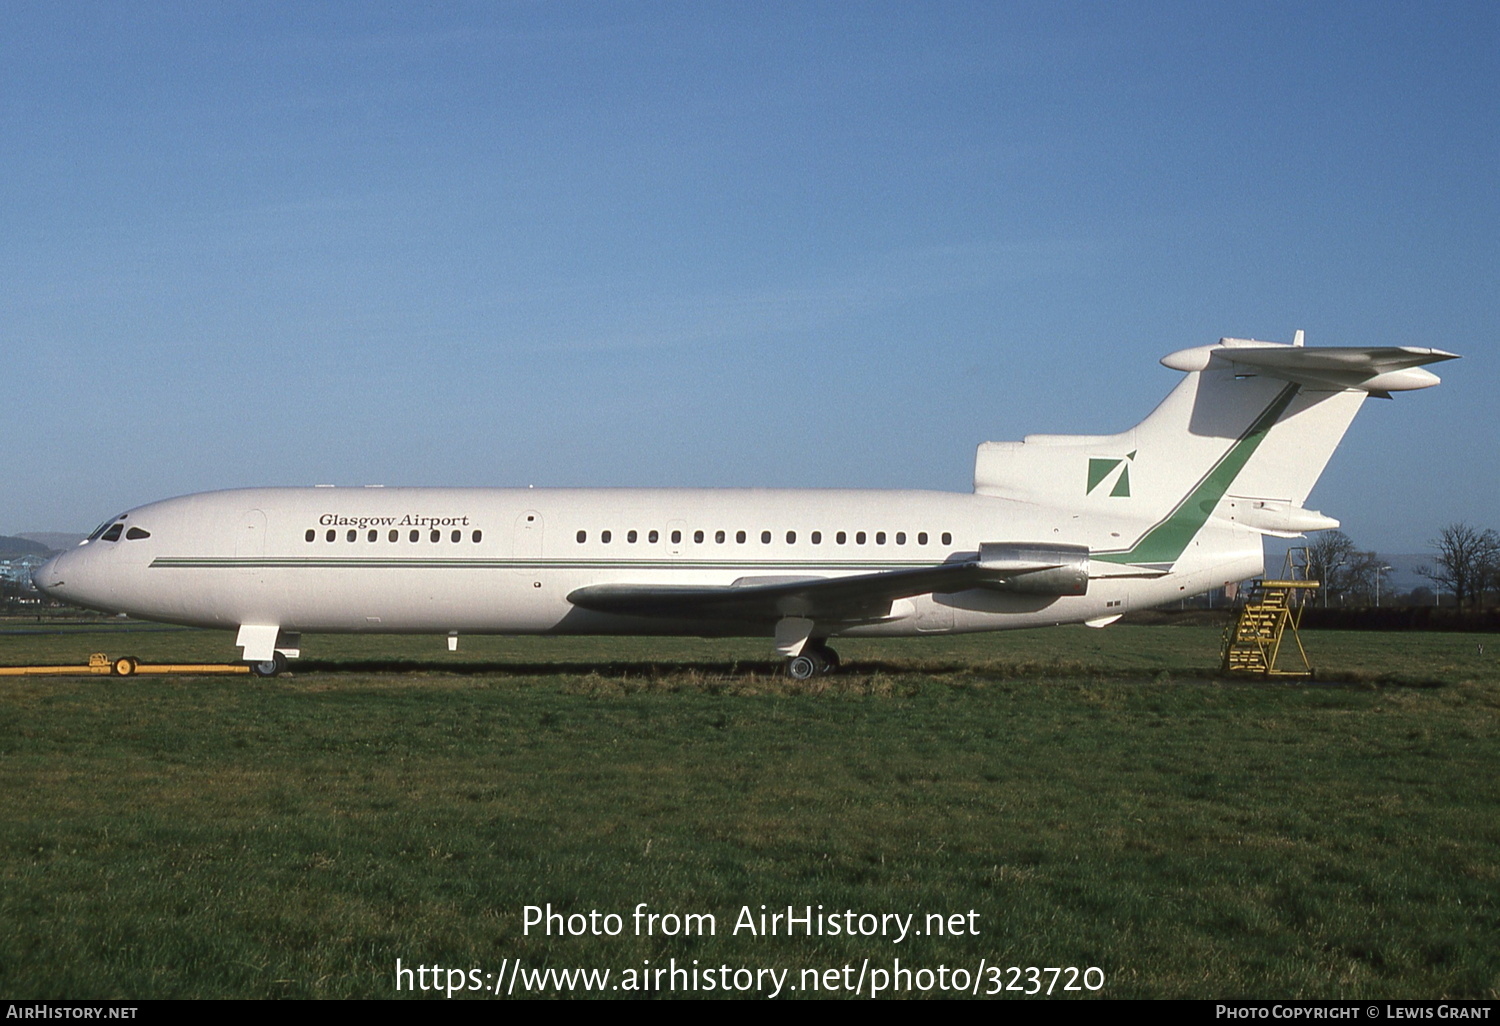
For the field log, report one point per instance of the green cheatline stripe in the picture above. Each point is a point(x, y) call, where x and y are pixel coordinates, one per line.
point(364, 563)
point(1165, 542)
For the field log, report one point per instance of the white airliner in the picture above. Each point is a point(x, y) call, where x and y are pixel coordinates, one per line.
point(1059, 529)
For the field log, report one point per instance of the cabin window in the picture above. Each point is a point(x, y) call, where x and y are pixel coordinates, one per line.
point(373, 534)
point(332, 534)
point(352, 534)
point(791, 537)
point(605, 536)
point(841, 537)
point(457, 536)
point(900, 537)
point(921, 537)
point(739, 537)
point(947, 538)
point(859, 537)
point(583, 536)
point(697, 537)
point(394, 535)
point(436, 536)
point(630, 536)
point(719, 537)
point(676, 537)
point(414, 536)
point(817, 537)
point(477, 536)
point(653, 537)
point(879, 537)
point(765, 537)
point(311, 534)
point(136, 534)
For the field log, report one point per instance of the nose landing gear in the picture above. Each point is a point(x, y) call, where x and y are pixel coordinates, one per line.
point(269, 667)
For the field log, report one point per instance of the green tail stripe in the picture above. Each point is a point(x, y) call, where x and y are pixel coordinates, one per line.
point(1165, 542)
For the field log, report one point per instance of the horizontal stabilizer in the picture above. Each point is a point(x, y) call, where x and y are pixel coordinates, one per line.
point(1378, 370)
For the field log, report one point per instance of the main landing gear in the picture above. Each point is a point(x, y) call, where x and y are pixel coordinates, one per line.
point(815, 658)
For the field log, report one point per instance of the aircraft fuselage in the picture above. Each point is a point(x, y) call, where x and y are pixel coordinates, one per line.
point(504, 561)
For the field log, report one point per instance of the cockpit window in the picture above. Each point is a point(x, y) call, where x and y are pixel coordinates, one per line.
point(114, 532)
point(136, 534)
point(112, 522)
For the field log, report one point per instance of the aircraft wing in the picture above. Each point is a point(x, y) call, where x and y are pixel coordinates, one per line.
point(1035, 569)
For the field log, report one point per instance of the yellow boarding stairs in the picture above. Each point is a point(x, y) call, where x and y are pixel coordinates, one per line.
point(1252, 644)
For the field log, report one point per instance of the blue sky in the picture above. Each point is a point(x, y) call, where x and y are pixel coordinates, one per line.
point(701, 244)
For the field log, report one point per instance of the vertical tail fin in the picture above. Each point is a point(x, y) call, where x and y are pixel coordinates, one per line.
point(1243, 438)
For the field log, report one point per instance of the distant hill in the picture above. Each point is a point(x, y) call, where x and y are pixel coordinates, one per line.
point(54, 541)
point(13, 547)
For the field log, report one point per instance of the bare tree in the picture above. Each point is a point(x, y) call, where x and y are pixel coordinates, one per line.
point(1467, 562)
point(1330, 551)
point(1341, 568)
point(1360, 573)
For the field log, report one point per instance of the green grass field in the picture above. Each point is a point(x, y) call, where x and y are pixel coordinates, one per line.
point(1096, 798)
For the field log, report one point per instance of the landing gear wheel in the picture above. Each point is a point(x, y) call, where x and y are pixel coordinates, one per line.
point(124, 666)
point(269, 667)
point(804, 667)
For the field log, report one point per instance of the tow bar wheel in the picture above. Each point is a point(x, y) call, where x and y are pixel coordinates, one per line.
point(124, 666)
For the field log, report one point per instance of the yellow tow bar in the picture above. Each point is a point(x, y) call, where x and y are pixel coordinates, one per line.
point(120, 666)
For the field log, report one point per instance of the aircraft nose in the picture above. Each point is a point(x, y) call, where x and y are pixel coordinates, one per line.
point(48, 577)
point(78, 577)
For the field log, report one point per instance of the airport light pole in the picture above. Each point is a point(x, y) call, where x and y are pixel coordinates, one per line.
point(1378, 571)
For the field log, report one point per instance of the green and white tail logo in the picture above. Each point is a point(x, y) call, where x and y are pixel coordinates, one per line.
point(1101, 470)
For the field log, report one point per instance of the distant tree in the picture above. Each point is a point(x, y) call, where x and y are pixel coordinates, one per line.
point(1329, 551)
point(1341, 568)
point(1360, 575)
point(1467, 561)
